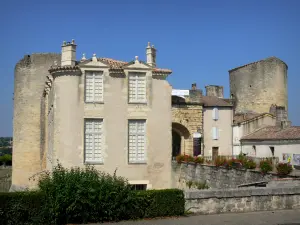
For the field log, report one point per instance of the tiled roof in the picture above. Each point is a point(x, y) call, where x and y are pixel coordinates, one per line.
point(214, 101)
point(274, 133)
point(114, 64)
point(266, 59)
point(117, 64)
point(243, 117)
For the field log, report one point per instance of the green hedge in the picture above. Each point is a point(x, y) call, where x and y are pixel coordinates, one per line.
point(29, 207)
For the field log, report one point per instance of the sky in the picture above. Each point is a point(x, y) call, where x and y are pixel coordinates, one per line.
point(199, 40)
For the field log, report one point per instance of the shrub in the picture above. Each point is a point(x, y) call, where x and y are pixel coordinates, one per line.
point(185, 158)
point(179, 158)
point(265, 166)
point(169, 202)
point(20, 208)
point(189, 183)
point(5, 159)
point(199, 160)
point(249, 164)
point(220, 161)
point(86, 195)
point(284, 168)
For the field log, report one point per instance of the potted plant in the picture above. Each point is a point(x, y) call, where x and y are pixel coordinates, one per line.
point(265, 166)
point(284, 169)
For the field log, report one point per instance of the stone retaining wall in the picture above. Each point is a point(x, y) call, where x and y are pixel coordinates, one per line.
point(215, 177)
point(242, 200)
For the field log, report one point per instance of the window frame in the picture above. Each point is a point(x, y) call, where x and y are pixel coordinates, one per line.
point(136, 134)
point(86, 74)
point(136, 75)
point(94, 162)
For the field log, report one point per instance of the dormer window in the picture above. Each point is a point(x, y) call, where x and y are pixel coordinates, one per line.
point(94, 86)
point(137, 87)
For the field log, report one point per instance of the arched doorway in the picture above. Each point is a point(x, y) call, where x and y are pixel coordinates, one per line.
point(176, 144)
point(179, 135)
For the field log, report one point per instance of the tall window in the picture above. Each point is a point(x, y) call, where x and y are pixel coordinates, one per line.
point(215, 114)
point(137, 87)
point(93, 140)
point(94, 86)
point(137, 141)
point(215, 133)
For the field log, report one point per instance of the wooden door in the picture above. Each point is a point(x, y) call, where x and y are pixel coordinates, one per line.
point(215, 153)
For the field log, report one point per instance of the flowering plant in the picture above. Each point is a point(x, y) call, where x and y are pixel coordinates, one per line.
point(284, 168)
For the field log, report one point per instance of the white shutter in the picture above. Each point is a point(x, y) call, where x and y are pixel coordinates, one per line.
point(137, 88)
point(93, 140)
point(215, 114)
point(215, 133)
point(93, 86)
point(137, 141)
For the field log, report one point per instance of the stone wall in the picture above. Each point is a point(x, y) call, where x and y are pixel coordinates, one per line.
point(215, 177)
point(242, 200)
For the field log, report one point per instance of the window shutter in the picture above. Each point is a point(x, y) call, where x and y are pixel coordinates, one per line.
point(215, 133)
point(215, 114)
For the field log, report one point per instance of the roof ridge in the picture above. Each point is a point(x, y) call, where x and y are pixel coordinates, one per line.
point(258, 61)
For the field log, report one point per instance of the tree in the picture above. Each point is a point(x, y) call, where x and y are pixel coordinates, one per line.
point(5, 159)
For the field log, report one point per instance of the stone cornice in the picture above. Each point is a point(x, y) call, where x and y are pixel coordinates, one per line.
point(65, 71)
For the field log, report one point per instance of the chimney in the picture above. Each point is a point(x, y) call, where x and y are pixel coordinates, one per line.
point(68, 53)
point(214, 91)
point(151, 55)
point(194, 86)
point(281, 115)
point(285, 124)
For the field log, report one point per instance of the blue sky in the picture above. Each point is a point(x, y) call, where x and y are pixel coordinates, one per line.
point(199, 40)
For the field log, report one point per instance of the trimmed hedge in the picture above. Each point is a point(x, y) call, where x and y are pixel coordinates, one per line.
point(28, 207)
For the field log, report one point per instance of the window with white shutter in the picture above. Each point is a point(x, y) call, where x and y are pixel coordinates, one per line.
point(215, 114)
point(93, 140)
point(137, 88)
point(215, 133)
point(93, 86)
point(137, 141)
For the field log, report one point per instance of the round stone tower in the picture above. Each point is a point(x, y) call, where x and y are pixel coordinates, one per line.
point(29, 82)
point(256, 86)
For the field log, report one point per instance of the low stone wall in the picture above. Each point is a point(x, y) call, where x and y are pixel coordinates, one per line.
point(215, 177)
point(242, 200)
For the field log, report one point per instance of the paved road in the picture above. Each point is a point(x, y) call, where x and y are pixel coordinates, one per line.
point(284, 217)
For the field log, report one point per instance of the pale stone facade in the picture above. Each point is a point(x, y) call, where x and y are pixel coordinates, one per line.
point(131, 136)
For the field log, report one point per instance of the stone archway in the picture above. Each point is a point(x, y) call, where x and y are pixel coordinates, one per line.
point(180, 136)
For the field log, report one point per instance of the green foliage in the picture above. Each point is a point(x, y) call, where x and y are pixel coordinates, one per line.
point(249, 164)
point(5, 159)
point(5, 141)
point(86, 195)
point(265, 166)
point(284, 168)
point(18, 208)
point(159, 203)
point(220, 161)
point(201, 185)
point(199, 160)
point(189, 183)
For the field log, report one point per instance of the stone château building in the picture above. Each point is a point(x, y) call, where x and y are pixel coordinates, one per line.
point(100, 111)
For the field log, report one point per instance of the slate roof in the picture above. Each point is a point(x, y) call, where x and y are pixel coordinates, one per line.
point(262, 60)
point(215, 101)
point(274, 133)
